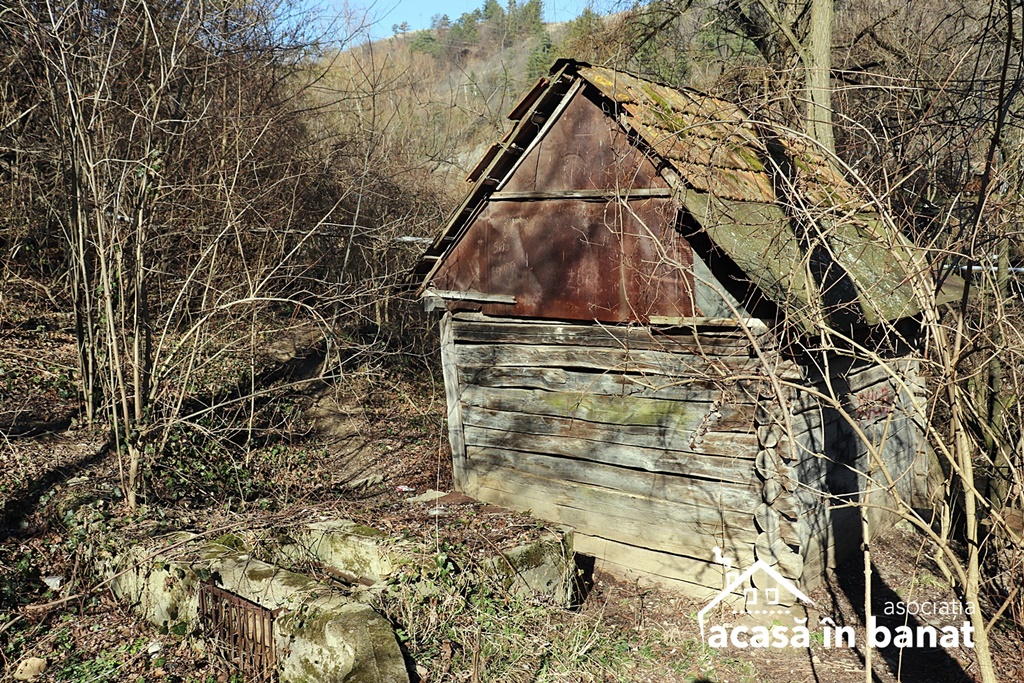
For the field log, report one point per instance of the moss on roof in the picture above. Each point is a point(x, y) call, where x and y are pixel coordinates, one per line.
point(802, 233)
point(770, 200)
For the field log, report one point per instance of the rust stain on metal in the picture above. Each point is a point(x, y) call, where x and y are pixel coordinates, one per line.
point(613, 260)
point(576, 260)
point(587, 150)
point(241, 633)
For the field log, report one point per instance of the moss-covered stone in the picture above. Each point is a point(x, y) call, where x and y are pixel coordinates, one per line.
point(321, 635)
point(544, 567)
point(357, 550)
point(260, 573)
point(345, 644)
point(232, 541)
point(162, 589)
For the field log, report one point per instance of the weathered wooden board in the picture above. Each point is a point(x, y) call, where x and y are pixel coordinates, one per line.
point(816, 536)
point(773, 550)
point(611, 384)
point(834, 535)
point(726, 444)
point(714, 508)
point(789, 504)
point(701, 579)
point(684, 491)
point(813, 468)
point(614, 410)
point(853, 376)
point(870, 397)
point(619, 360)
point(769, 521)
point(816, 560)
point(619, 516)
point(602, 336)
point(840, 468)
point(726, 328)
point(804, 501)
point(598, 427)
point(805, 422)
point(790, 449)
point(452, 392)
point(891, 430)
point(703, 466)
point(798, 401)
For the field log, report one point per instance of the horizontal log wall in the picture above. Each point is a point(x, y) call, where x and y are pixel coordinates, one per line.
point(660, 447)
point(645, 443)
point(782, 420)
point(868, 406)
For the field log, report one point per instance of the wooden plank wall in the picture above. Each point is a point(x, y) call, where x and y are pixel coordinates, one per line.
point(645, 443)
point(877, 407)
point(781, 541)
point(658, 448)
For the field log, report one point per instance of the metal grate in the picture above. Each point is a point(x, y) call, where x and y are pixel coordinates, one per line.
point(241, 633)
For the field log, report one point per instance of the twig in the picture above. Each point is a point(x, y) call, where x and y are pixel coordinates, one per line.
point(11, 623)
point(77, 596)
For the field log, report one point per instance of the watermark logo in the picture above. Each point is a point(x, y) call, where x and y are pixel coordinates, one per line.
point(771, 601)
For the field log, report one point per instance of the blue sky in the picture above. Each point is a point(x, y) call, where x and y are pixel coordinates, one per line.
point(418, 12)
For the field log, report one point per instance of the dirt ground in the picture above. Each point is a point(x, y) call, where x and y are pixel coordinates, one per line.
point(363, 463)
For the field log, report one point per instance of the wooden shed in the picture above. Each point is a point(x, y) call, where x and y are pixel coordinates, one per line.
point(679, 330)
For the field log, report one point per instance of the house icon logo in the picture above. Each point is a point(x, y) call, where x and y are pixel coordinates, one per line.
point(768, 601)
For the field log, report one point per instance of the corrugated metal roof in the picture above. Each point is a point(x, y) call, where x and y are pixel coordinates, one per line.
point(800, 231)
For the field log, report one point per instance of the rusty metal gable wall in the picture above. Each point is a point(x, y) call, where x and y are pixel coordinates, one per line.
point(800, 231)
point(765, 184)
point(585, 150)
point(584, 258)
point(572, 260)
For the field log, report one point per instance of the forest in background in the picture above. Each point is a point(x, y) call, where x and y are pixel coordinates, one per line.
point(191, 182)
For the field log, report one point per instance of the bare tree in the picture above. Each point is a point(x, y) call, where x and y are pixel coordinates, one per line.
point(795, 40)
point(207, 209)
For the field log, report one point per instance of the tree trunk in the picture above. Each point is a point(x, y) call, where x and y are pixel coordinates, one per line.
point(817, 61)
